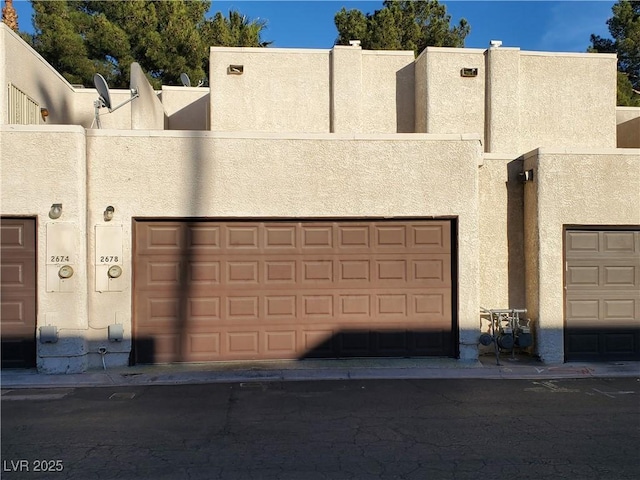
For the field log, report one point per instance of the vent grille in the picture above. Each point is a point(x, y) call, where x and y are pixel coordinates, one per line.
point(23, 110)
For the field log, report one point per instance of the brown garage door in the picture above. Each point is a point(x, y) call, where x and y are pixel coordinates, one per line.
point(602, 284)
point(255, 290)
point(18, 292)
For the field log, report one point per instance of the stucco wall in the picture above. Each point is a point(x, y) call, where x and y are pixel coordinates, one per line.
point(42, 166)
point(567, 100)
point(387, 92)
point(446, 102)
point(83, 99)
point(501, 231)
point(628, 120)
point(280, 90)
point(571, 187)
point(187, 108)
point(28, 71)
point(502, 112)
point(181, 174)
point(31, 73)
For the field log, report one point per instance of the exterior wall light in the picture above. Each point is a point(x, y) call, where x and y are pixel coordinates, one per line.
point(108, 213)
point(526, 176)
point(44, 113)
point(56, 211)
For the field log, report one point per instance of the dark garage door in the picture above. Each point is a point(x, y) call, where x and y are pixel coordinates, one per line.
point(209, 290)
point(18, 292)
point(602, 281)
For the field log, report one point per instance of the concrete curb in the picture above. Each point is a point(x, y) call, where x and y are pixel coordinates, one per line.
point(356, 369)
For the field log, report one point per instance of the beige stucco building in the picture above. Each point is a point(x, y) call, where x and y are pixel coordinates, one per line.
point(327, 203)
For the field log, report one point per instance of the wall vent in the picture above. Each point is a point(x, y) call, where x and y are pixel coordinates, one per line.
point(235, 69)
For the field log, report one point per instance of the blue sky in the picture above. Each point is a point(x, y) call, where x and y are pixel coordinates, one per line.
point(557, 26)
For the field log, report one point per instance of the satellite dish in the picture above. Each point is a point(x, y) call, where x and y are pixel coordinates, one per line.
point(186, 81)
point(103, 90)
point(104, 98)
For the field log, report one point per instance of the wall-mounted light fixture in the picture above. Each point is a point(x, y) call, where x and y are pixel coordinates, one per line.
point(108, 213)
point(55, 211)
point(469, 72)
point(526, 176)
point(235, 69)
point(44, 113)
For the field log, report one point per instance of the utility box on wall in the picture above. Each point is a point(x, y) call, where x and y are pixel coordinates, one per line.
point(62, 257)
point(110, 275)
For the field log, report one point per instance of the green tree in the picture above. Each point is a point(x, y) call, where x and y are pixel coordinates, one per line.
point(236, 30)
point(167, 38)
point(410, 25)
point(624, 27)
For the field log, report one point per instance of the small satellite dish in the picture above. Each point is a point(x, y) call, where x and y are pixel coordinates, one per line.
point(103, 90)
point(186, 81)
point(104, 98)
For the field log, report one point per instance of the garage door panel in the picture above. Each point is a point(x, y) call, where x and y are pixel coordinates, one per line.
point(434, 271)
point(317, 238)
point(281, 237)
point(620, 276)
point(204, 238)
point(18, 292)
point(318, 339)
point(241, 273)
point(620, 310)
point(354, 306)
point(162, 272)
point(240, 308)
point(297, 289)
point(579, 243)
point(593, 343)
point(602, 304)
point(317, 271)
point(279, 343)
point(202, 347)
point(158, 347)
point(622, 342)
point(434, 238)
point(280, 307)
point(242, 344)
point(582, 342)
point(280, 271)
point(388, 237)
point(166, 238)
point(619, 242)
point(204, 310)
point(610, 310)
point(18, 316)
point(611, 274)
point(18, 237)
point(354, 238)
point(204, 273)
point(152, 310)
